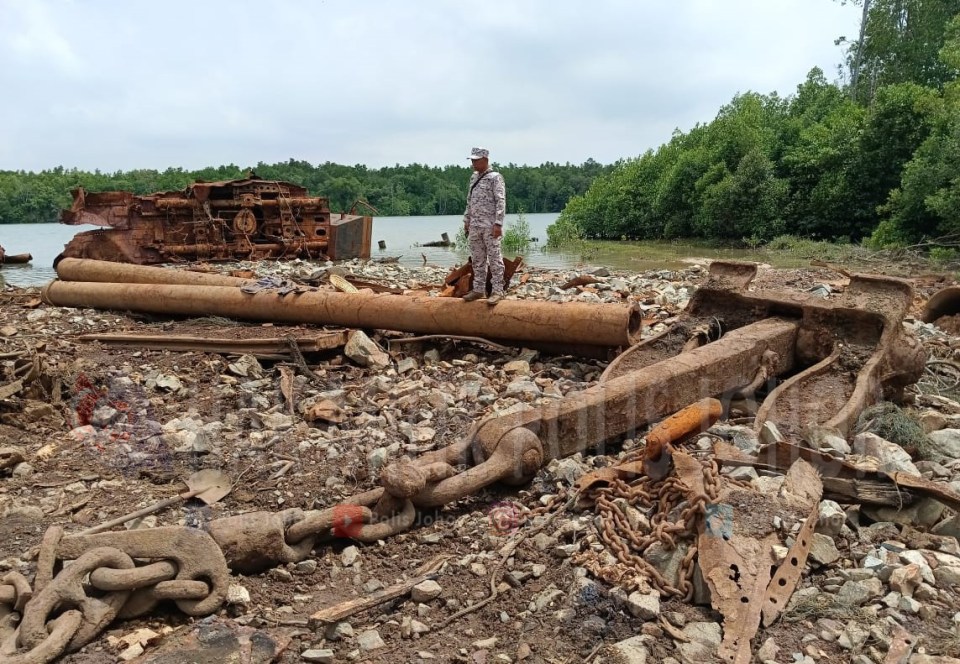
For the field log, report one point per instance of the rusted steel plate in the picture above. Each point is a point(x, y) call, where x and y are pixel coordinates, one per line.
point(265, 348)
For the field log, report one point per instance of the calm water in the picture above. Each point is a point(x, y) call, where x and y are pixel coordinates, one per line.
point(402, 236)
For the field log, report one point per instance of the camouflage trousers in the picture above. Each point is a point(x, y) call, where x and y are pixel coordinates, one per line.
point(486, 253)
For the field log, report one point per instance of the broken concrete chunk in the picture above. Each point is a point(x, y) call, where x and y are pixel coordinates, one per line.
point(823, 550)
point(891, 456)
point(946, 443)
point(831, 518)
point(246, 366)
point(645, 606)
point(361, 349)
point(827, 440)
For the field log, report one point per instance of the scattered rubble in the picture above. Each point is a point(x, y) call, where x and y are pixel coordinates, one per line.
point(127, 423)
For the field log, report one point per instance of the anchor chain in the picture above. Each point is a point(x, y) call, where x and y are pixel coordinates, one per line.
point(675, 519)
point(125, 574)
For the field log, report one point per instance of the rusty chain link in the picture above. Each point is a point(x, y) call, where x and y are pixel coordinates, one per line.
point(675, 519)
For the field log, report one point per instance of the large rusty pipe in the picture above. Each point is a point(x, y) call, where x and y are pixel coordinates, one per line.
point(519, 320)
point(85, 269)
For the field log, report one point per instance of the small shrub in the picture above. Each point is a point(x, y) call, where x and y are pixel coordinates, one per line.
point(943, 255)
point(461, 242)
point(516, 236)
point(564, 234)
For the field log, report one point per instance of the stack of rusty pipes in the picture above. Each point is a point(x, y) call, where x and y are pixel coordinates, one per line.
point(567, 325)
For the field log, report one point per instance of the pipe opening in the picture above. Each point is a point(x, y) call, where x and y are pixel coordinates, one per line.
point(634, 325)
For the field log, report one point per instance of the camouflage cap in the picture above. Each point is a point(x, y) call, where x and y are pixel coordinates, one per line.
point(479, 153)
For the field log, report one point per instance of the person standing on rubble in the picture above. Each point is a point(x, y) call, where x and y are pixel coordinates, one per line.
point(483, 223)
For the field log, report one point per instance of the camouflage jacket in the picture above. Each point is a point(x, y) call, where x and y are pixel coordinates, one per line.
point(487, 202)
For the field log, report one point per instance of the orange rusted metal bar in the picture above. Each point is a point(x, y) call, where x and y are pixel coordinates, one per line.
point(518, 320)
point(688, 421)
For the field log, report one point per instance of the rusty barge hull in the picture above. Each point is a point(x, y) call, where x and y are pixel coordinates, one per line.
point(247, 219)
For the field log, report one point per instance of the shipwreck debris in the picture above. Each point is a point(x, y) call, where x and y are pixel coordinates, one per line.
point(705, 521)
point(251, 218)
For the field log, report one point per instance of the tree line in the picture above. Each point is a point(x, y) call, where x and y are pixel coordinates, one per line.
point(875, 157)
point(29, 197)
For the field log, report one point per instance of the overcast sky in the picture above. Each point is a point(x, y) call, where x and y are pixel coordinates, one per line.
point(122, 84)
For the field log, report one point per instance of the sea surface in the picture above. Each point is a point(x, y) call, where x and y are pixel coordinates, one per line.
point(403, 238)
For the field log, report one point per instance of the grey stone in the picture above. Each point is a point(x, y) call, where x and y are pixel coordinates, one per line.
point(946, 443)
point(892, 457)
point(856, 593)
point(523, 388)
point(770, 434)
point(704, 640)
point(104, 416)
point(823, 549)
point(831, 518)
point(276, 421)
point(947, 575)
point(645, 606)
point(339, 631)
point(925, 512)
point(324, 656)
point(918, 559)
point(406, 365)
point(768, 650)
point(521, 367)
point(370, 640)
point(853, 636)
point(746, 440)
point(545, 598)
point(631, 651)
point(743, 473)
point(306, 567)
point(828, 440)
point(426, 591)
point(361, 349)
point(349, 556)
point(569, 469)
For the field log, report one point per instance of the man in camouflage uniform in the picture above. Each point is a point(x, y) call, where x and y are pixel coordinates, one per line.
point(483, 222)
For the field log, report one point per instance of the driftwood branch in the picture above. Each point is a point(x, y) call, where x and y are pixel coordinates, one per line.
point(352, 607)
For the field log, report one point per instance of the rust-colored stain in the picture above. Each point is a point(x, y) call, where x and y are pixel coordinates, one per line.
point(250, 219)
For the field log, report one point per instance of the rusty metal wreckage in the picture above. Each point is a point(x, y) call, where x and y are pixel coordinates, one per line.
point(802, 360)
point(250, 218)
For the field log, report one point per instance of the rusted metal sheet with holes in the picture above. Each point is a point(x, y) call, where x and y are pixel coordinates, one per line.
point(251, 218)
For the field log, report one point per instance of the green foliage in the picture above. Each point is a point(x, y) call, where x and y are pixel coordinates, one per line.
point(927, 202)
point(516, 235)
point(890, 422)
point(27, 197)
point(900, 42)
point(462, 241)
point(943, 255)
point(564, 233)
point(876, 160)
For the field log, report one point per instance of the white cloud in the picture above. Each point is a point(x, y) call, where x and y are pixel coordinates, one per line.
point(119, 85)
